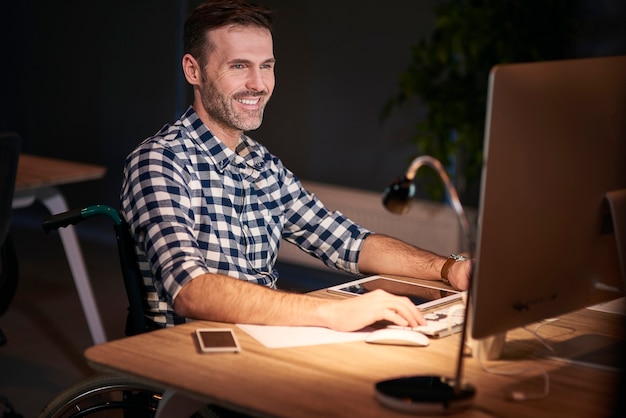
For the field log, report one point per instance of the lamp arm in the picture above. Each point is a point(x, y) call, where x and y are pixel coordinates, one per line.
point(451, 191)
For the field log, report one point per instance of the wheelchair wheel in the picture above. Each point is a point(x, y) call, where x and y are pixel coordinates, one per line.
point(104, 396)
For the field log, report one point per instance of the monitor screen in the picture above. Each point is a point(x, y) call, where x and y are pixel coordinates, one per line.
point(555, 144)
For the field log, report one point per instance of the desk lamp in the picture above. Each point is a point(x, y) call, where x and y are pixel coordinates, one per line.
point(428, 394)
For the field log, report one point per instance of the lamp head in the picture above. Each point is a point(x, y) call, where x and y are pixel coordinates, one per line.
point(398, 195)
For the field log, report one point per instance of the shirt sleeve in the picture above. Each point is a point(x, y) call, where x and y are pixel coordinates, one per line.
point(327, 235)
point(157, 206)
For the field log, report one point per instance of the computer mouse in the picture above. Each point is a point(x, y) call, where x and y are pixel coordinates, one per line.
point(397, 336)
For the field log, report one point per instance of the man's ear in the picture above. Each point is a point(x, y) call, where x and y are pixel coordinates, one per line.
point(192, 70)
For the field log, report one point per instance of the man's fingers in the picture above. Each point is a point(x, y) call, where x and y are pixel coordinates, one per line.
point(399, 310)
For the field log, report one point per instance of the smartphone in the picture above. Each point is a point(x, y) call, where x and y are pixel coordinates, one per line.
point(217, 340)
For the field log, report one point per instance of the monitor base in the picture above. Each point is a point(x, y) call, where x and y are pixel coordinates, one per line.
point(424, 395)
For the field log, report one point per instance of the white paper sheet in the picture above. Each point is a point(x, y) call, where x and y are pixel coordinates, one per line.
point(273, 336)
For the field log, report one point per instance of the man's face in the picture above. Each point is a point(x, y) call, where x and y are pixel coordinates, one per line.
point(238, 80)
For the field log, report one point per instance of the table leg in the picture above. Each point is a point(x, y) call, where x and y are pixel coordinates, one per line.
point(54, 201)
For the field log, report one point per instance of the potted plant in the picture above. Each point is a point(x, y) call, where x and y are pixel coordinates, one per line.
point(449, 73)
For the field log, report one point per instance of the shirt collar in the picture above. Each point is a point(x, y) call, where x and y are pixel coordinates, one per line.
point(220, 154)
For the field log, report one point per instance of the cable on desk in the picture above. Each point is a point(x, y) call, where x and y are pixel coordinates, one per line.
point(539, 338)
point(517, 395)
point(543, 341)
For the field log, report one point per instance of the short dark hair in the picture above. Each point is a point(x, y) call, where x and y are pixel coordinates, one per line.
point(217, 13)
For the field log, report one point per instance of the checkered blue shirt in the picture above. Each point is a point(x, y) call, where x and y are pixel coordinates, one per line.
point(194, 206)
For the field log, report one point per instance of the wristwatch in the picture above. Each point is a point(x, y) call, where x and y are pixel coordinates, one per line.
point(452, 258)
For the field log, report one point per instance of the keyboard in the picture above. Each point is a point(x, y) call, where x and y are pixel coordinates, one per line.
point(441, 322)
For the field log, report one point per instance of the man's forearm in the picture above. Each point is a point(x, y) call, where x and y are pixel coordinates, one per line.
point(382, 254)
point(225, 299)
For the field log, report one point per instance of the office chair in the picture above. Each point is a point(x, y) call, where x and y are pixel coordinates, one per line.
point(9, 155)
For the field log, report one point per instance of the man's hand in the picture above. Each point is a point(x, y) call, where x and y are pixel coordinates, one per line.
point(358, 312)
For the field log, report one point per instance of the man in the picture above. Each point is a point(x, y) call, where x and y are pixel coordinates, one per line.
point(207, 205)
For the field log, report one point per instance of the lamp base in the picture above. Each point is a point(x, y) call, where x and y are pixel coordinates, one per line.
point(424, 395)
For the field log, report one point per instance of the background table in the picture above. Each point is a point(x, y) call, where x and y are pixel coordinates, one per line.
point(37, 178)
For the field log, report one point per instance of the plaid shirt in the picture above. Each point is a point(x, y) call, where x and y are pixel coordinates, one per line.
point(194, 206)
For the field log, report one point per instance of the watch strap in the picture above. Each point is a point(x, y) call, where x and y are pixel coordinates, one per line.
point(452, 259)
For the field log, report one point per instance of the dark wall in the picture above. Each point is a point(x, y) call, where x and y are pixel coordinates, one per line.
point(338, 64)
point(87, 80)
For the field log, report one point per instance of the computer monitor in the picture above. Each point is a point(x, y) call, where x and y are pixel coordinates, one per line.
point(555, 144)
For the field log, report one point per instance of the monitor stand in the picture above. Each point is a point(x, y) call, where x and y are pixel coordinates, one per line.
point(488, 348)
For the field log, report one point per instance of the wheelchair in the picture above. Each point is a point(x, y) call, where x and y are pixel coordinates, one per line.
point(108, 395)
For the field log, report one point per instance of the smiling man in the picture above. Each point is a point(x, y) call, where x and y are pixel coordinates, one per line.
point(235, 83)
point(207, 205)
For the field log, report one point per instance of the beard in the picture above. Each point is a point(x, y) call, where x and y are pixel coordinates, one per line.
point(220, 108)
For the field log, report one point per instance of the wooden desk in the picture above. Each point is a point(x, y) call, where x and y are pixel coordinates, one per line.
point(37, 178)
point(337, 380)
